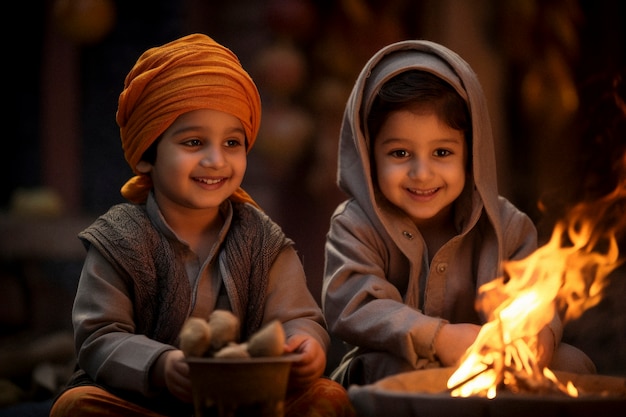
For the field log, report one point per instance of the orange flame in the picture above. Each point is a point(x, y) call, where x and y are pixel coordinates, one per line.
point(567, 275)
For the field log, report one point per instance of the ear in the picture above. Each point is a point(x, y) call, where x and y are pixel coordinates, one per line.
point(143, 167)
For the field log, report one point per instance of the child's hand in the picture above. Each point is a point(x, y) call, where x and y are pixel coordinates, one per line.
point(453, 340)
point(176, 374)
point(311, 365)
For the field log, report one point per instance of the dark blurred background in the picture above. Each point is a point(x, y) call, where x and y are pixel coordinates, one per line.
point(543, 64)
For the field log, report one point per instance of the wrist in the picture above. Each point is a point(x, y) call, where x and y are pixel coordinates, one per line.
point(157, 373)
point(433, 343)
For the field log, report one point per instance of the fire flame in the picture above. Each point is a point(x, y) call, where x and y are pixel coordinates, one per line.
point(566, 276)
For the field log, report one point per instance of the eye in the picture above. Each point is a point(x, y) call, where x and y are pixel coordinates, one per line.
point(193, 142)
point(234, 142)
point(399, 153)
point(442, 152)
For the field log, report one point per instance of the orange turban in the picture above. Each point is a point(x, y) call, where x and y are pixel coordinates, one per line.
point(190, 73)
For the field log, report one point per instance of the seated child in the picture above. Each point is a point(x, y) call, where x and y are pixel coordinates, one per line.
point(423, 227)
point(190, 241)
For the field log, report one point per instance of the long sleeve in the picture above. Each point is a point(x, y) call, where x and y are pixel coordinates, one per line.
point(290, 301)
point(362, 301)
point(107, 346)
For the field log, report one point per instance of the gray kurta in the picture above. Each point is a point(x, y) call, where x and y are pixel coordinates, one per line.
point(380, 291)
point(128, 309)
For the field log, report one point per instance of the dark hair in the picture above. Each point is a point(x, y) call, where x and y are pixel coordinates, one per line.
point(150, 154)
point(420, 91)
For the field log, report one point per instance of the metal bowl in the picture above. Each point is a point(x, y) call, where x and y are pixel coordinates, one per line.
point(424, 394)
point(241, 387)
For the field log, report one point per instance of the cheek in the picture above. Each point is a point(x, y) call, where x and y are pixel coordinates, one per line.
point(458, 176)
point(388, 176)
point(239, 165)
point(379, 171)
point(170, 169)
point(178, 161)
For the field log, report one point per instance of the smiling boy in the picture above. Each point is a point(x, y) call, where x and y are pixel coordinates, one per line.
point(420, 168)
point(189, 241)
point(423, 226)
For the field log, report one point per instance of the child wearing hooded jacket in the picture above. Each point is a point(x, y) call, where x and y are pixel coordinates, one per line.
point(423, 226)
point(190, 241)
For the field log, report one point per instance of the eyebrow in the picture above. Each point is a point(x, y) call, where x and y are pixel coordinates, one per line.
point(439, 141)
point(449, 140)
point(193, 128)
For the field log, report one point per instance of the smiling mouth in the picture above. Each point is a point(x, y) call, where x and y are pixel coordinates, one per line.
point(210, 181)
point(423, 193)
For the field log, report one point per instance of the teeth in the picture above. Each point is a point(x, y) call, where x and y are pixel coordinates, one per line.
point(210, 182)
point(419, 192)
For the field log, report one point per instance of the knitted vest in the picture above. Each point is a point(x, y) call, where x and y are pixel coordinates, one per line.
point(157, 280)
point(159, 286)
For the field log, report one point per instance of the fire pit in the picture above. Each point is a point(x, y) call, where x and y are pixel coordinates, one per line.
point(240, 387)
point(425, 394)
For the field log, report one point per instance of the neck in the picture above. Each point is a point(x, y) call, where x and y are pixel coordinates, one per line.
point(199, 228)
point(437, 231)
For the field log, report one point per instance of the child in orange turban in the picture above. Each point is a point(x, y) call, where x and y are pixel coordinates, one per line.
point(190, 242)
point(191, 73)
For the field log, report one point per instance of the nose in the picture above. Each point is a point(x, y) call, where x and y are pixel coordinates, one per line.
point(420, 168)
point(212, 157)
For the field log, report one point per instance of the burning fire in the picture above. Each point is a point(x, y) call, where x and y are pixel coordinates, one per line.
point(566, 275)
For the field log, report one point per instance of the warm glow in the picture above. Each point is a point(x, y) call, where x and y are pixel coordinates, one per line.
point(568, 274)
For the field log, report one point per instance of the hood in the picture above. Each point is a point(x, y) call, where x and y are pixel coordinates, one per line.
point(354, 174)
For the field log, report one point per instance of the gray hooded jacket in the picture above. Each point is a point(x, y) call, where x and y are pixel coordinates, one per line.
point(380, 292)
